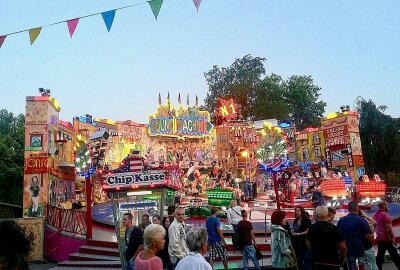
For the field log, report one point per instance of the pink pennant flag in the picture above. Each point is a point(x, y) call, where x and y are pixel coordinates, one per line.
point(197, 4)
point(72, 26)
point(2, 38)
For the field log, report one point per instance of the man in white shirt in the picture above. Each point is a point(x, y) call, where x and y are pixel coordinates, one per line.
point(177, 248)
point(197, 243)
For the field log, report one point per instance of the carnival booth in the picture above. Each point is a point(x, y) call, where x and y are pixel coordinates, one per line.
point(136, 189)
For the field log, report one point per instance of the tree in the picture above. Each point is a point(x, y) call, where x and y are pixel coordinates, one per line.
point(380, 139)
point(12, 158)
point(270, 102)
point(301, 96)
point(260, 97)
point(240, 80)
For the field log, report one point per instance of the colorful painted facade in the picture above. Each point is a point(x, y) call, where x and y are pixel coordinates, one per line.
point(342, 142)
point(309, 145)
point(48, 170)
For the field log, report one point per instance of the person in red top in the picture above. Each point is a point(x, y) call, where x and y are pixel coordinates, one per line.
point(385, 236)
point(247, 241)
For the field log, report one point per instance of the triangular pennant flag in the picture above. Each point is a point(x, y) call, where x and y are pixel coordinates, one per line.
point(197, 4)
point(2, 38)
point(34, 33)
point(159, 98)
point(108, 17)
point(197, 101)
point(72, 26)
point(187, 100)
point(155, 6)
point(179, 98)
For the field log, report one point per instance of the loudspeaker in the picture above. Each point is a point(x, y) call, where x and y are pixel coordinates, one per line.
point(53, 151)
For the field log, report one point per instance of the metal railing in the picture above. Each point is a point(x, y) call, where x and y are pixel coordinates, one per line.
point(392, 194)
point(66, 220)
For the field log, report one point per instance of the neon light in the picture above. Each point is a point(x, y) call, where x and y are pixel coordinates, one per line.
point(181, 123)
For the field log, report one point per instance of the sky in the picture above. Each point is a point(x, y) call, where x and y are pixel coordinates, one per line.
point(350, 48)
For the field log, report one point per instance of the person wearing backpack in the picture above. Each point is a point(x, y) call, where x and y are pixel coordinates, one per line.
point(234, 216)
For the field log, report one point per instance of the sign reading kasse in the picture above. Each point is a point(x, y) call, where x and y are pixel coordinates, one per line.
point(132, 178)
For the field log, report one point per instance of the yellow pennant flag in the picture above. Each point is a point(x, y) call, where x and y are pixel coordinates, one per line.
point(34, 33)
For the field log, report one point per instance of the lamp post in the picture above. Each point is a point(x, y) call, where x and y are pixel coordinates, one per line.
point(89, 224)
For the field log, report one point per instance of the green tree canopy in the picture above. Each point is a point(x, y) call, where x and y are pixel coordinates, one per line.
point(12, 130)
point(240, 80)
point(380, 138)
point(302, 96)
point(270, 102)
point(264, 97)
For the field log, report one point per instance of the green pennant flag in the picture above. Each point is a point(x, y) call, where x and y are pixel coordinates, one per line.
point(34, 33)
point(155, 6)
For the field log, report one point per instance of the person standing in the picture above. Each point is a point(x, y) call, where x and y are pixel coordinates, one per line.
point(154, 240)
point(331, 214)
point(385, 236)
point(216, 240)
point(301, 224)
point(247, 241)
point(234, 214)
point(156, 219)
point(368, 245)
point(355, 230)
point(177, 248)
point(133, 240)
point(282, 253)
point(326, 242)
point(163, 254)
point(196, 241)
point(145, 221)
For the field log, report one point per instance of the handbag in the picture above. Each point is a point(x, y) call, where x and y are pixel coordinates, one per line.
point(292, 262)
point(259, 255)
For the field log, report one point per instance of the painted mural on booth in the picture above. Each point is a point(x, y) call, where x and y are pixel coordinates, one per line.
point(35, 194)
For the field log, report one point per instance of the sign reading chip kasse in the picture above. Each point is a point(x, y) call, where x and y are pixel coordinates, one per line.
point(134, 178)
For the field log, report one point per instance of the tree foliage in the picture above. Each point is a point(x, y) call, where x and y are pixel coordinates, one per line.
point(270, 102)
point(302, 98)
point(240, 80)
point(265, 97)
point(12, 157)
point(380, 138)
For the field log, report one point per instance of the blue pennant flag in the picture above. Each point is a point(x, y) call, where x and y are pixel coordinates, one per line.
point(108, 17)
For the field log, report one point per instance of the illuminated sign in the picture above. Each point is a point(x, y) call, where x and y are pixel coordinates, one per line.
point(131, 178)
point(36, 165)
point(227, 109)
point(181, 123)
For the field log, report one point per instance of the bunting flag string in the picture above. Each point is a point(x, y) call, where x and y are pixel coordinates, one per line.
point(197, 4)
point(72, 26)
point(34, 33)
point(155, 6)
point(2, 38)
point(108, 18)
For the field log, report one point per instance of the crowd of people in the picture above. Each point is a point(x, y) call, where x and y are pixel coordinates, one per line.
point(167, 244)
point(328, 246)
point(304, 244)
